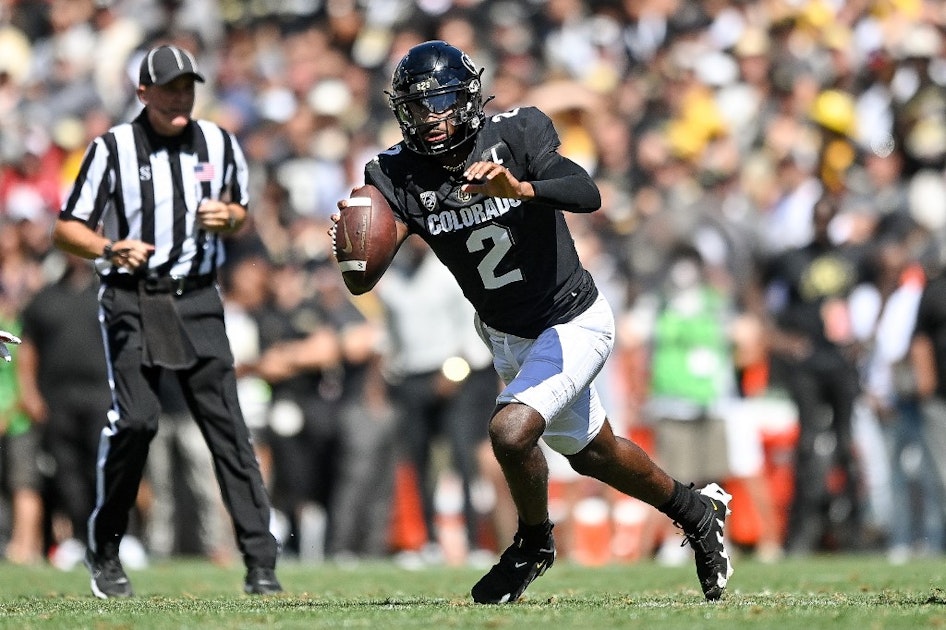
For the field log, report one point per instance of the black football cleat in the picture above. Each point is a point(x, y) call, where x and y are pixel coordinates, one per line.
point(713, 565)
point(518, 566)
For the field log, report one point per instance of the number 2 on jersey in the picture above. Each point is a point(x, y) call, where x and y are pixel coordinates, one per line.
point(502, 243)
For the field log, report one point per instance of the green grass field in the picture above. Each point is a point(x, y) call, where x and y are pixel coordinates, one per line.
point(830, 592)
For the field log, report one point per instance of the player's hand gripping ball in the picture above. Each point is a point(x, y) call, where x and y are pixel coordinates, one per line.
point(365, 238)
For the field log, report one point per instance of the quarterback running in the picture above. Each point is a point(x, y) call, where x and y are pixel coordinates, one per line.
point(488, 193)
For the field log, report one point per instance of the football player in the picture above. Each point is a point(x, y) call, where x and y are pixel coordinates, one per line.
point(487, 193)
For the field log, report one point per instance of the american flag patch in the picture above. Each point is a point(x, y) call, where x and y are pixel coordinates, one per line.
point(204, 171)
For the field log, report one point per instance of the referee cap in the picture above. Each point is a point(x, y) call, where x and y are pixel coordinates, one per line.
point(165, 63)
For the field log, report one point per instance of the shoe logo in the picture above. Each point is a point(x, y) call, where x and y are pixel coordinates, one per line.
point(715, 508)
point(347, 248)
point(519, 565)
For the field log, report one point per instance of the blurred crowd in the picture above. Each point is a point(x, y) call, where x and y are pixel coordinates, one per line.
point(773, 175)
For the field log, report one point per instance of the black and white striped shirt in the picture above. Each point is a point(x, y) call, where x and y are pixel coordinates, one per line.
point(139, 185)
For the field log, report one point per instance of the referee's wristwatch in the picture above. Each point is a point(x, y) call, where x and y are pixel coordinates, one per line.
point(107, 251)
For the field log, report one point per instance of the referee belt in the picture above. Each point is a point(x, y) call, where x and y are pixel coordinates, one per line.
point(178, 285)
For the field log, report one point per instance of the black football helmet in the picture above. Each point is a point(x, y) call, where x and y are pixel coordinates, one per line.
point(436, 78)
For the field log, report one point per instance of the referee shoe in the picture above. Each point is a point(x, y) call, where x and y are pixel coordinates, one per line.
point(261, 581)
point(108, 576)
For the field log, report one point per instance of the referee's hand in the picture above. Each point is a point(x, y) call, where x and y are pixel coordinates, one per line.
point(215, 216)
point(131, 253)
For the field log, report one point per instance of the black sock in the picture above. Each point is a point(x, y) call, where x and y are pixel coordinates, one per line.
point(684, 506)
point(535, 535)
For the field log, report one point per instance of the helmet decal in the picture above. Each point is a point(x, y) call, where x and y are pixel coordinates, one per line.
point(465, 58)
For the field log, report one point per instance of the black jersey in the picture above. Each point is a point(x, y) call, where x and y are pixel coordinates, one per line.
point(515, 260)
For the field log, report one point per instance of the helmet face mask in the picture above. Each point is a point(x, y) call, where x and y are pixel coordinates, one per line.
point(433, 83)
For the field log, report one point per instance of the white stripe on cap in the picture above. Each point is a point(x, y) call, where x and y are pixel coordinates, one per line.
point(182, 57)
point(193, 61)
point(151, 64)
point(177, 56)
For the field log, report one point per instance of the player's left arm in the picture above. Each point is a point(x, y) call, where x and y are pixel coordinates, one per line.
point(551, 179)
point(560, 184)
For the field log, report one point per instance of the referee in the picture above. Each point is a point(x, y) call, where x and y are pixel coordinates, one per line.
point(150, 203)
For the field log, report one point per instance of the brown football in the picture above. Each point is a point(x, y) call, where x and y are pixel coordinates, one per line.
point(365, 238)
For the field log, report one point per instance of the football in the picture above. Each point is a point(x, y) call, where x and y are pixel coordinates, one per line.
point(365, 238)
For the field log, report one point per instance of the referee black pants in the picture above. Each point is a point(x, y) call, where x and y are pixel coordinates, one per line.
point(210, 389)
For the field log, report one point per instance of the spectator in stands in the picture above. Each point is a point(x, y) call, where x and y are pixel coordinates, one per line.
point(300, 358)
point(360, 501)
point(440, 377)
point(807, 289)
point(928, 362)
point(22, 480)
point(883, 313)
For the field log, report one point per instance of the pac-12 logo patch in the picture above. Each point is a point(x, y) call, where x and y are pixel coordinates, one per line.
point(429, 199)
